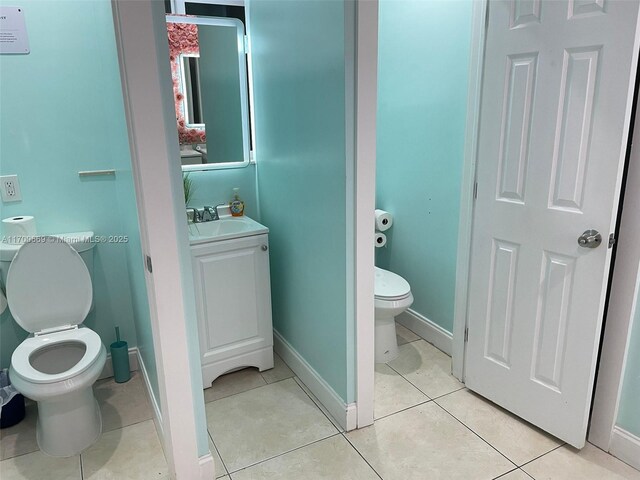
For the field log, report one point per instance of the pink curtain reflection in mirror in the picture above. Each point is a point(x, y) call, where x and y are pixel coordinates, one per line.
point(183, 39)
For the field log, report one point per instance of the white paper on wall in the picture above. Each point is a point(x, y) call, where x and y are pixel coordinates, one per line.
point(13, 31)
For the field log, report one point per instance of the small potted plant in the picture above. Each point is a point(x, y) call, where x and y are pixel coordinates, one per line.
point(189, 189)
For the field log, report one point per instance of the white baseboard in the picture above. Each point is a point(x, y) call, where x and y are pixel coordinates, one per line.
point(344, 414)
point(352, 417)
point(107, 371)
point(428, 330)
point(157, 413)
point(625, 446)
point(207, 467)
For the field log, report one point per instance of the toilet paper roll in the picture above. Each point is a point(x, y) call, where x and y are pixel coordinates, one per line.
point(384, 220)
point(380, 239)
point(17, 230)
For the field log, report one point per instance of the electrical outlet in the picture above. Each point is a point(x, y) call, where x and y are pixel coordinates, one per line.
point(10, 188)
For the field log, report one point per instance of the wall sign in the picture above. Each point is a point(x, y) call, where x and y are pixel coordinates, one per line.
point(13, 31)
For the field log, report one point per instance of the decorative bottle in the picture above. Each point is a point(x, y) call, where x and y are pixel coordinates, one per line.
point(236, 205)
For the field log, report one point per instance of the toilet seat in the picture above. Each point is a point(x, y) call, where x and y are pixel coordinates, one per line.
point(390, 286)
point(20, 360)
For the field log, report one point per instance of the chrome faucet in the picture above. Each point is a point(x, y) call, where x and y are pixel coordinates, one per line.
point(211, 213)
point(196, 215)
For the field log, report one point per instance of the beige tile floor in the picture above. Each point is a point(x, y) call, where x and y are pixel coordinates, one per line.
point(269, 426)
point(129, 448)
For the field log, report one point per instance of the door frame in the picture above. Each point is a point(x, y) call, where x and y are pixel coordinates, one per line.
point(625, 288)
point(153, 143)
point(463, 262)
point(616, 332)
point(363, 204)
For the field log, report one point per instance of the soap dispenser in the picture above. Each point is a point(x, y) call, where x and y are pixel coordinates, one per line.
point(236, 205)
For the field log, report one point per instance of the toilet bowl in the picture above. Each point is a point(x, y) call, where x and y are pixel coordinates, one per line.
point(392, 297)
point(49, 293)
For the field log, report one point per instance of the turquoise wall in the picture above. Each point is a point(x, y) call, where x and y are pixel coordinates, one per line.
point(213, 187)
point(629, 412)
point(62, 112)
point(422, 93)
point(298, 51)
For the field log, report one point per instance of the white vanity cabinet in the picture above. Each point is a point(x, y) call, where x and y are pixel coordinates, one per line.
point(233, 299)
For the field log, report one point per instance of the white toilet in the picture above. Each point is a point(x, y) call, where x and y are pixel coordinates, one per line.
point(49, 293)
point(392, 297)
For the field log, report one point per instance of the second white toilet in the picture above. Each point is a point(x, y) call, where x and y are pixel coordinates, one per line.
point(392, 297)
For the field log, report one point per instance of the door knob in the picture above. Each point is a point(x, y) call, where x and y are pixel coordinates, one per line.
point(264, 248)
point(590, 239)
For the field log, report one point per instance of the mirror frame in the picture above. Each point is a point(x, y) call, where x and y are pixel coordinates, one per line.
point(244, 86)
point(183, 82)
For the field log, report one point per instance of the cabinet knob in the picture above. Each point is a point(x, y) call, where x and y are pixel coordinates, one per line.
point(264, 248)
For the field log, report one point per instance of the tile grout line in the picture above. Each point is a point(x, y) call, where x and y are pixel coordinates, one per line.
point(526, 473)
point(361, 455)
point(224, 465)
point(238, 393)
point(248, 390)
point(412, 341)
point(476, 434)
point(445, 394)
point(505, 473)
point(418, 388)
point(281, 454)
point(540, 456)
point(318, 405)
point(432, 398)
point(21, 455)
point(126, 426)
point(403, 410)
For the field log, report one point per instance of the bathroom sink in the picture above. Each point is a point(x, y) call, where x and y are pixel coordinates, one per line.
point(226, 228)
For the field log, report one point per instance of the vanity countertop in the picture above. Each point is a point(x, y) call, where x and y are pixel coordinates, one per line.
point(226, 228)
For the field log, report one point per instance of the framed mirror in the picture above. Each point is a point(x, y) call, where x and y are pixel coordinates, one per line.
point(210, 88)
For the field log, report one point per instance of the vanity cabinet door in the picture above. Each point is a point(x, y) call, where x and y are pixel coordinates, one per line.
point(233, 298)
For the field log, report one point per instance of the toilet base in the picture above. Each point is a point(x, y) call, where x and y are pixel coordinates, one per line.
point(68, 424)
point(386, 341)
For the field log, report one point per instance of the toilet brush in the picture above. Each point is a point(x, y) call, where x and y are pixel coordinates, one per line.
point(120, 359)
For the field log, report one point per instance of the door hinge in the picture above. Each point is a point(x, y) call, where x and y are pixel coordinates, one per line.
point(466, 334)
point(246, 44)
point(475, 190)
point(612, 240)
point(148, 262)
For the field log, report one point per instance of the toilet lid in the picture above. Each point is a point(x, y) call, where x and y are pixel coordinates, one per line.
point(390, 285)
point(48, 285)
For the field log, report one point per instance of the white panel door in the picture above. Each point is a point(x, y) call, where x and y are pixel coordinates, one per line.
point(555, 109)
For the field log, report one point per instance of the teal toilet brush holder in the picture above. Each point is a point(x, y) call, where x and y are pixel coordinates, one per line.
point(120, 359)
